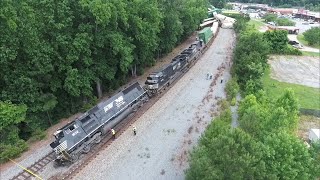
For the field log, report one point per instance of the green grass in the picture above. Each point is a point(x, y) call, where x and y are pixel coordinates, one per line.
point(308, 97)
point(305, 53)
point(256, 23)
point(301, 39)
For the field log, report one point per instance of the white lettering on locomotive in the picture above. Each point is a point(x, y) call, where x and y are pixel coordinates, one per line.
point(119, 101)
point(76, 132)
point(107, 107)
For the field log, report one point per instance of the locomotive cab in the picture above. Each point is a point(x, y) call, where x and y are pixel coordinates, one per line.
point(153, 81)
point(67, 138)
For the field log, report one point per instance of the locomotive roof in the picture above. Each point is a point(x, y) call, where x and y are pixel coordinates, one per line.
point(158, 71)
point(101, 105)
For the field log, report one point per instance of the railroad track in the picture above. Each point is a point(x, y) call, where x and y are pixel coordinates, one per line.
point(35, 167)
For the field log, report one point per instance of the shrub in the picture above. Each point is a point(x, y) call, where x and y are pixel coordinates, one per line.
point(284, 22)
point(232, 89)
point(8, 151)
point(223, 104)
point(233, 102)
point(292, 51)
point(312, 35)
point(270, 17)
point(37, 135)
point(226, 116)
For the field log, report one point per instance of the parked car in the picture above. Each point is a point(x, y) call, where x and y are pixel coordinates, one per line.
point(293, 42)
point(298, 46)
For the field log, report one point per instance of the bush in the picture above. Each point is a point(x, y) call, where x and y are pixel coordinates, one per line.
point(226, 116)
point(233, 102)
point(292, 51)
point(37, 135)
point(232, 89)
point(284, 22)
point(8, 151)
point(270, 17)
point(312, 36)
point(223, 104)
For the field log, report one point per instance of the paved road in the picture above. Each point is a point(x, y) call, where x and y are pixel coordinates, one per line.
point(168, 130)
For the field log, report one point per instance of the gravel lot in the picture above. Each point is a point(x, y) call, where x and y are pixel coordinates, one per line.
point(304, 70)
point(168, 130)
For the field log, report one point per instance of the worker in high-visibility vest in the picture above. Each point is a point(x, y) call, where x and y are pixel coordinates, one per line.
point(113, 132)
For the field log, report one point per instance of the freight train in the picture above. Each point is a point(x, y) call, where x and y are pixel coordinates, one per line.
point(78, 136)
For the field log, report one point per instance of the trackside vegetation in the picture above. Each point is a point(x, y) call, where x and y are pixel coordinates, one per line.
point(265, 145)
point(58, 57)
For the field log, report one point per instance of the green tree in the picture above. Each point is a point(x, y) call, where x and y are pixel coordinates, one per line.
point(312, 36)
point(226, 153)
point(218, 3)
point(278, 40)
point(11, 116)
point(289, 158)
point(232, 89)
point(270, 17)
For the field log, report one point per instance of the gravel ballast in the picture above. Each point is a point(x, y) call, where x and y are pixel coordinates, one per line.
point(169, 129)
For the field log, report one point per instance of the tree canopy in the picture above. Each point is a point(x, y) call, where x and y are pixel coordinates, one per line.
point(57, 58)
point(312, 36)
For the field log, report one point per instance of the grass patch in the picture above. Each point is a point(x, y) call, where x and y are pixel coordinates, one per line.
point(256, 23)
point(314, 54)
point(301, 39)
point(308, 97)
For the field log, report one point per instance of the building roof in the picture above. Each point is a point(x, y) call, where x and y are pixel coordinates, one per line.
point(293, 28)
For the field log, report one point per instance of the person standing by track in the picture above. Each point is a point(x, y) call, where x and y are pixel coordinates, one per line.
point(113, 132)
point(134, 130)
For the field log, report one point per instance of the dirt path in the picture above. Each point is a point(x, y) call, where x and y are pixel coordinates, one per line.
point(293, 37)
point(40, 148)
point(168, 130)
point(304, 70)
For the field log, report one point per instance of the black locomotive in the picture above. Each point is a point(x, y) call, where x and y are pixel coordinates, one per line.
point(78, 136)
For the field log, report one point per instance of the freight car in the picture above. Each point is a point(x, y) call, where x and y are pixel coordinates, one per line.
point(78, 136)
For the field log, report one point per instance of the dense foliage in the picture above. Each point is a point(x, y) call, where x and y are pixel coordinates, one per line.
point(312, 36)
point(218, 3)
point(10, 117)
point(57, 58)
point(226, 153)
point(264, 146)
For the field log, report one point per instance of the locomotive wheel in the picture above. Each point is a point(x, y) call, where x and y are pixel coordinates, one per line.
point(86, 148)
point(97, 140)
point(74, 157)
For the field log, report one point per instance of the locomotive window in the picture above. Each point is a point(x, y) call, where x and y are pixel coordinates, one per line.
point(71, 128)
point(85, 119)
